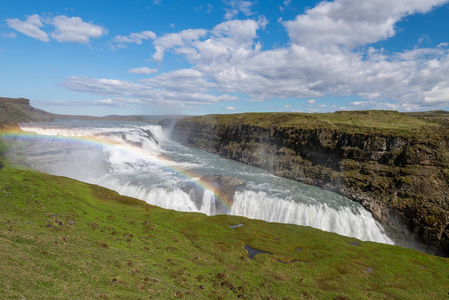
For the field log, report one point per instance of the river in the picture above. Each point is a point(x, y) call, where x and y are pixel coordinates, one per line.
point(139, 160)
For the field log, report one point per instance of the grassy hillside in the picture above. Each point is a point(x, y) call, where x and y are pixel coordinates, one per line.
point(359, 122)
point(61, 239)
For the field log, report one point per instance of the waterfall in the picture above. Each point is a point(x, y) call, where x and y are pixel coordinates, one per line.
point(138, 160)
point(359, 224)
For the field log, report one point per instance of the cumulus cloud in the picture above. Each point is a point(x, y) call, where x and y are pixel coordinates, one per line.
point(75, 30)
point(180, 41)
point(240, 31)
point(29, 27)
point(324, 58)
point(133, 38)
point(230, 108)
point(237, 6)
point(143, 70)
point(228, 40)
point(353, 23)
point(314, 66)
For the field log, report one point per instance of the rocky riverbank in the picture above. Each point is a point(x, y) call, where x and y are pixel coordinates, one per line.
point(395, 165)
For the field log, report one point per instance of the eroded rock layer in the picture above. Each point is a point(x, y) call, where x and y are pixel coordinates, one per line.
point(396, 166)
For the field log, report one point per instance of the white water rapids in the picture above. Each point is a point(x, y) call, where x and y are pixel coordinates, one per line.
point(139, 160)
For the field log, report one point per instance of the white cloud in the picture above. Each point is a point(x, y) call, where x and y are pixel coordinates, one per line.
point(353, 23)
point(284, 5)
point(177, 89)
point(381, 105)
point(228, 60)
point(230, 108)
point(75, 30)
point(104, 101)
point(143, 70)
point(67, 29)
point(228, 40)
point(179, 40)
point(30, 27)
point(133, 38)
point(240, 31)
point(236, 7)
point(117, 102)
point(11, 35)
point(182, 81)
point(287, 106)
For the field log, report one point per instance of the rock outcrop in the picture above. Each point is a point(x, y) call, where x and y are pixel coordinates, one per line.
point(222, 186)
point(398, 172)
point(17, 110)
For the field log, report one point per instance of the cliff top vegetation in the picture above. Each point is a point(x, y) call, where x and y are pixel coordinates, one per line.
point(365, 122)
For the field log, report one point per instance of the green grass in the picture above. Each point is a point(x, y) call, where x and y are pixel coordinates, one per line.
point(432, 113)
point(121, 247)
point(364, 122)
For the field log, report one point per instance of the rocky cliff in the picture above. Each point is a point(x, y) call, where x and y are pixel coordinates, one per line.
point(396, 166)
point(16, 110)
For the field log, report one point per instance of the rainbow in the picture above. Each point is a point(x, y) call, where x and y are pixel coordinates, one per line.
point(160, 160)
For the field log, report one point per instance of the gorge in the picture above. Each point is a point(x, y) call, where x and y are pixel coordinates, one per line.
point(394, 164)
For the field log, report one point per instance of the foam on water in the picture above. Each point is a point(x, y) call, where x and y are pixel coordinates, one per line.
point(345, 221)
point(138, 160)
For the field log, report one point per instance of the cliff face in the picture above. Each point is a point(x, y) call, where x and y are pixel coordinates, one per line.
point(400, 174)
point(16, 110)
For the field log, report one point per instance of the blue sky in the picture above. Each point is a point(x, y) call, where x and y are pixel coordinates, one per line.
point(228, 56)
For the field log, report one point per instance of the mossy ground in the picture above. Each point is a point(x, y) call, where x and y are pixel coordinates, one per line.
point(61, 239)
point(383, 123)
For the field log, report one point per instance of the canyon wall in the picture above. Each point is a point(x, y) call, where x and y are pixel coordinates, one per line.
point(396, 166)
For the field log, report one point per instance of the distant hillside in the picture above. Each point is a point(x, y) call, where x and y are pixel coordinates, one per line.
point(437, 116)
point(17, 110)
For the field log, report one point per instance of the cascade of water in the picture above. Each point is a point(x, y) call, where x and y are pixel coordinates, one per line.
point(344, 221)
point(126, 159)
point(163, 197)
point(208, 206)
